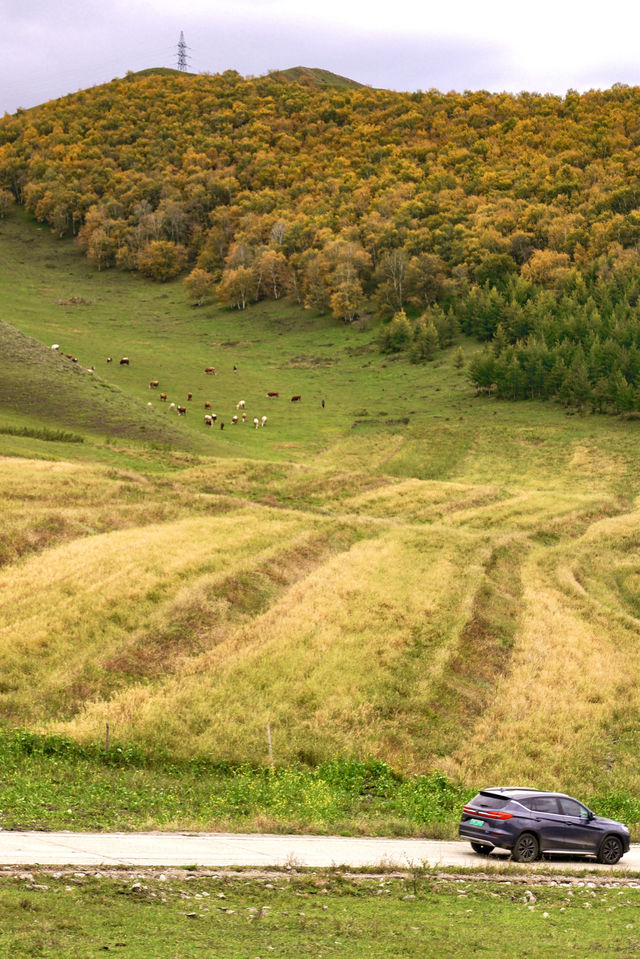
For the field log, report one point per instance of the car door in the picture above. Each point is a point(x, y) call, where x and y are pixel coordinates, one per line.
point(581, 830)
point(549, 822)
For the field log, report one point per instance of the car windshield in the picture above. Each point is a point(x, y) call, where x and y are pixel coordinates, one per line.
point(482, 801)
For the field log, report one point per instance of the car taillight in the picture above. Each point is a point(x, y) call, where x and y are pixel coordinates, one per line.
point(488, 813)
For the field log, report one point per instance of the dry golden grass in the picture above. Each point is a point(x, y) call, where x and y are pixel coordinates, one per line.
point(486, 630)
point(321, 663)
point(569, 695)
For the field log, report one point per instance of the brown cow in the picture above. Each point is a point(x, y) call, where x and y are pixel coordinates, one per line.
point(210, 369)
point(189, 396)
point(207, 405)
point(272, 395)
point(163, 397)
point(154, 384)
point(181, 410)
point(296, 399)
point(124, 361)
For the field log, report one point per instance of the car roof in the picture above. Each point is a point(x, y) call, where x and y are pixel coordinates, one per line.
point(518, 792)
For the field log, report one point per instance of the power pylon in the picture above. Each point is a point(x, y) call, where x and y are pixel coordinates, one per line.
point(183, 57)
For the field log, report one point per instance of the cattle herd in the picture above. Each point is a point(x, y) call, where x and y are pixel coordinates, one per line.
point(210, 418)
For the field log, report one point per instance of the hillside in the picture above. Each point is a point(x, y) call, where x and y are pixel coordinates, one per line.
point(514, 219)
point(409, 572)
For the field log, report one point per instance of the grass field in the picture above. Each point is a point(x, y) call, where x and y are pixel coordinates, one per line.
point(409, 573)
point(186, 915)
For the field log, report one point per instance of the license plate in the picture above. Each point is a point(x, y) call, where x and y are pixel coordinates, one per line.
point(476, 822)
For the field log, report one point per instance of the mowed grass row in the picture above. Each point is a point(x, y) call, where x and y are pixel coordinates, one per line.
point(566, 711)
point(361, 622)
point(326, 664)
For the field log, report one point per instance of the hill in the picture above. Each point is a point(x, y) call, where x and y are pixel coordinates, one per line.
point(409, 572)
point(315, 77)
point(514, 219)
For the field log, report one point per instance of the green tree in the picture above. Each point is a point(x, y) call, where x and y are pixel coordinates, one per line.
point(398, 334)
point(426, 342)
point(458, 359)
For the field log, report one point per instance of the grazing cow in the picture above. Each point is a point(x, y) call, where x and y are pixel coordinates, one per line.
point(263, 420)
point(172, 406)
point(181, 410)
point(109, 359)
point(124, 361)
point(240, 405)
point(210, 369)
point(207, 405)
point(244, 417)
point(208, 420)
point(69, 356)
point(222, 426)
point(235, 368)
point(256, 422)
point(55, 346)
point(163, 397)
point(296, 399)
point(189, 396)
point(234, 419)
point(154, 384)
point(272, 394)
point(214, 417)
point(149, 403)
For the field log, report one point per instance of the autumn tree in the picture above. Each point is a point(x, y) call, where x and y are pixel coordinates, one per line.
point(162, 260)
point(198, 286)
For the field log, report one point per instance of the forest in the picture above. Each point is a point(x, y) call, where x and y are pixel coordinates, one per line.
point(514, 219)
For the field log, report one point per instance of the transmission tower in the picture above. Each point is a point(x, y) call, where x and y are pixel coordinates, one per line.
point(183, 57)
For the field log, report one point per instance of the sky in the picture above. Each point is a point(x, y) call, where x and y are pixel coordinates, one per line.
point(52, 47)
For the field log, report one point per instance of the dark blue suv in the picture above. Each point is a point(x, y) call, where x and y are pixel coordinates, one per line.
point(529, 822)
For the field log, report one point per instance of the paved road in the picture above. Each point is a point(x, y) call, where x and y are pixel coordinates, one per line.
point(227, 849)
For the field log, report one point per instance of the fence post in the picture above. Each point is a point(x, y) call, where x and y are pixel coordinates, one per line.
point(269, 742)
point(106, 738)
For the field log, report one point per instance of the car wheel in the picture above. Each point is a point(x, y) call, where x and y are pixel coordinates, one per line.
point(481, 848)
point(526, 848)
point(610, 851)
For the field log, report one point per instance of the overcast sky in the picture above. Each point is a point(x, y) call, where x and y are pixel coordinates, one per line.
point(52, 47)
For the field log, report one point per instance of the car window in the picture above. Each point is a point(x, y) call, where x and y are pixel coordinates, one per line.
point(542, 804)
point(570, 807)
point(488, 802)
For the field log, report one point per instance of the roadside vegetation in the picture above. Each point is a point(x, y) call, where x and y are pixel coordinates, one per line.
point(410, 578)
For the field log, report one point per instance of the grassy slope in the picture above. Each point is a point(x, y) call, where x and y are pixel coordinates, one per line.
point(410, 572)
